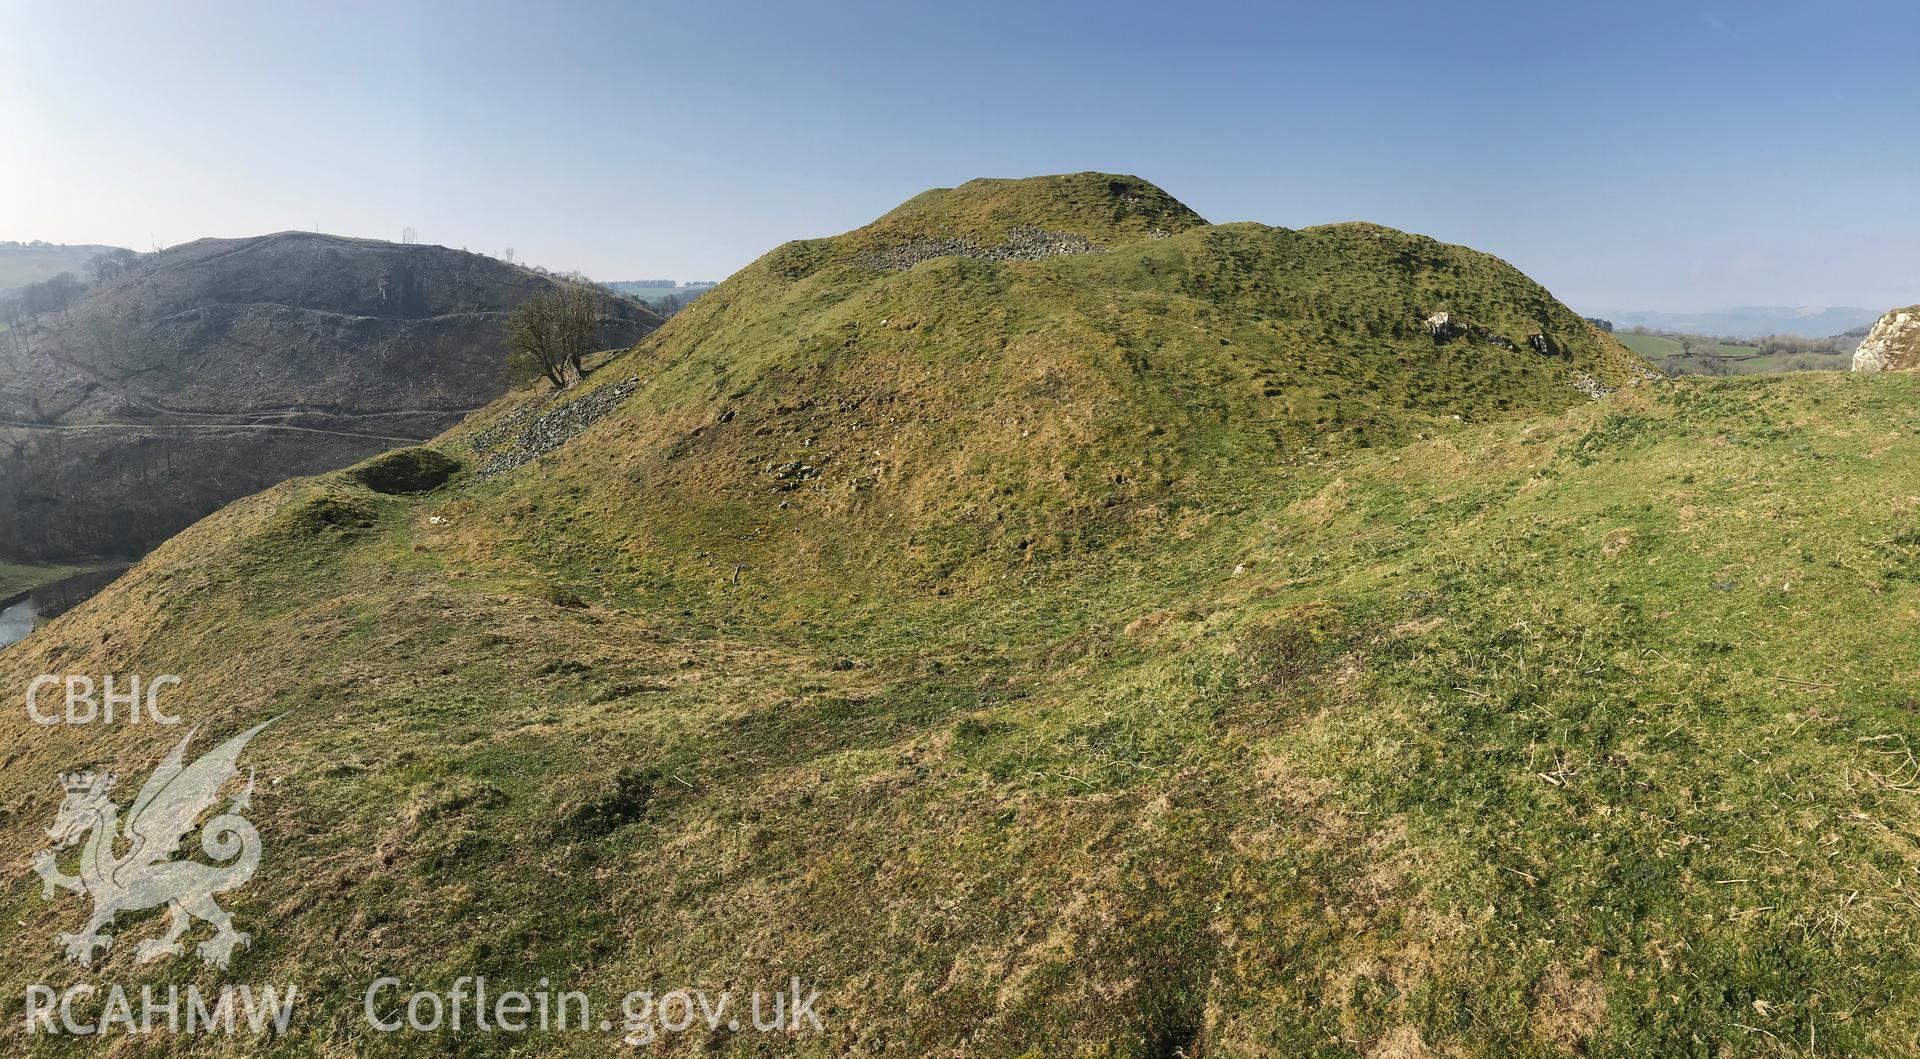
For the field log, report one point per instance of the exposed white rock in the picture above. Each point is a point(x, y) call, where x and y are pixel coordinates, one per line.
point(1893, 344)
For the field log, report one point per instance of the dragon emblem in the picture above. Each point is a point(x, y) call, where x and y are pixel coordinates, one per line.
point(165, 811)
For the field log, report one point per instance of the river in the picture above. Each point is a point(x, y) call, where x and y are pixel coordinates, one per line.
point(16, 621)
point(51, 601)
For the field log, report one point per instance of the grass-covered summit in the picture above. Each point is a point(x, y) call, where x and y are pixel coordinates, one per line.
point(1183, 647)
point(966, 405)
point(1102, 207)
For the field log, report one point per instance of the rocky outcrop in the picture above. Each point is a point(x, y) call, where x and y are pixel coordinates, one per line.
point(1591, 386)
point(1444, 328)
point(1893, 344)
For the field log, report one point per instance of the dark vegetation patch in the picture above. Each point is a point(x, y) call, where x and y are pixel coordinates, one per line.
point(326, 513)
point(415, 470)
point(619, 800)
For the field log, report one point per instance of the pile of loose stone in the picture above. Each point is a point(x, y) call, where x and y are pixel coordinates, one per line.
point(1023, 244)
point(510, 424)
point(1590, 386)
point(547, 431)
point(793, 474)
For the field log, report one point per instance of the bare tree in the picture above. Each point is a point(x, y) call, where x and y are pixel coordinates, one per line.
point(579, 323)
point(532, 343)
point(13, 314)
point(552, 332)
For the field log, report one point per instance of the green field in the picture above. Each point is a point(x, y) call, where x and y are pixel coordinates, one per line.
point(18, 578)
point(1725, 358)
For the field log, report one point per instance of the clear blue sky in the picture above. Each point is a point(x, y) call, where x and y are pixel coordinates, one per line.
point(1673, 155)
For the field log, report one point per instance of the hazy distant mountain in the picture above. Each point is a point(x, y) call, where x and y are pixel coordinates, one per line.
point(220, 367)
point(1751, 321)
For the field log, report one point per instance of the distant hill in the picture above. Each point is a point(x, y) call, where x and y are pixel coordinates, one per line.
point(1751, 321)
point(22, 264)
point(217, 368)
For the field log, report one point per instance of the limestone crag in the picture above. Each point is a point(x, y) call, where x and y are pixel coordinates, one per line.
point(1893, 344)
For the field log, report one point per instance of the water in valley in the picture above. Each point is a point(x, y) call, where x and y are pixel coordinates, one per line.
point(18, 618)
point(16, 621)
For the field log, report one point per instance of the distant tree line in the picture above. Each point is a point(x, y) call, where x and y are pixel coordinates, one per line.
point(1792, 344)
point(57, 294)
point(1766, 343)
point(1601, 325)
point(47, 296)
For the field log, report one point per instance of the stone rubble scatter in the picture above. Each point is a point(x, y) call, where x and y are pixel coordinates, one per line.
point(1023, 244)
point(510, 425)
point(554, 428)
point(792, 474)
point(1590, 386)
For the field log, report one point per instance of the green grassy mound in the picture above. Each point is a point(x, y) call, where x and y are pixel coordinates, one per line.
point(1022, 654)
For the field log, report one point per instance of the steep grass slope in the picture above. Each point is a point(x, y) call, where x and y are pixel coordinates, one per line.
point(1091, 698)
point(824, 414)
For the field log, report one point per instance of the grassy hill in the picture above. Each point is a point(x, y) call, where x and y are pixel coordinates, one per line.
point(216, 368)
point(1050, 624)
